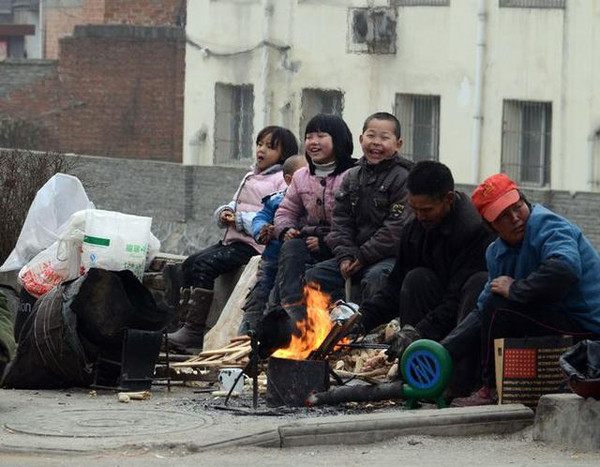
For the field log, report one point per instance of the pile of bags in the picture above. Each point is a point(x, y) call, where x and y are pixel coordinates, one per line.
point(64, 236)
point(81, 269)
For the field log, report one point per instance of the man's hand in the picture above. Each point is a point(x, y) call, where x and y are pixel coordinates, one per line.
point(348, 267)
point(406, 336)
point(266, 234)
point(227, 217)
point(312, 244)
point(501, 285)
point(290, 233)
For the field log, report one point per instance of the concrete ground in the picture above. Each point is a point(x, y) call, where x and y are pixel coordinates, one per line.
point(517, 449)
point(76, 427)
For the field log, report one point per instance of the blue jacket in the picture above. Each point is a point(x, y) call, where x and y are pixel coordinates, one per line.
point(267, 216)
point(550, 236)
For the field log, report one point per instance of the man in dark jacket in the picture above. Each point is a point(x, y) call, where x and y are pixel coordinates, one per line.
point(440, 266)
point(369, 214)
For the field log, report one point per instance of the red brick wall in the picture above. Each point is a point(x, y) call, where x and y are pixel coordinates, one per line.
point(110, 96)
point(59, 21)
point(144, 12)
point(40, 104)
point(132, 92)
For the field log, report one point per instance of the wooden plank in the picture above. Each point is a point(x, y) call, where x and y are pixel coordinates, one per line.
point(231, 316)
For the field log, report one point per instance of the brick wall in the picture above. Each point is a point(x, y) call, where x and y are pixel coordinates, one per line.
point(61, 17)
point(130, 80)
point(146, 12)
point(116, 90)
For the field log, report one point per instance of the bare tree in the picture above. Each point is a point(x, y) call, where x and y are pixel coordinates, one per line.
point(22, 174)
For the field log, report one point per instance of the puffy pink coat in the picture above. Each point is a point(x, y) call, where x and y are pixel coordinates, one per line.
point(308, 203)
point(247, 201)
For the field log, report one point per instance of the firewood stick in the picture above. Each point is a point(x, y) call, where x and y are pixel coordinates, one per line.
point(240, 339)
point(332, 340)
point(357, 394)
point(238, 355)
point(318, 353)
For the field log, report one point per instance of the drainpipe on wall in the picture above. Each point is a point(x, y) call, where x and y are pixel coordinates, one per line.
point(264, 63)
point(479, 76)
point(42, 27)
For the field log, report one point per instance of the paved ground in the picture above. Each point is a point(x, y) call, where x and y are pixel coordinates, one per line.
point(77, 427)
point(517, 450)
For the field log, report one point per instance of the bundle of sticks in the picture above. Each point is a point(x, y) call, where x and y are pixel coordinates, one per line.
point(337, 333)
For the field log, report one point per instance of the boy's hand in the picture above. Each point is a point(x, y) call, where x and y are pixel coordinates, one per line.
point(501, 285)
point(227, 217)
point(290, 233)
point(266, 234)
point(313, 244)
point(348, 267)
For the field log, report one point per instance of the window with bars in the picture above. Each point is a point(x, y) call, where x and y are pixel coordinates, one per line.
point(319, 101)
point(234, 115)
point(531, 3)
point(419, 117)
point(526, 141)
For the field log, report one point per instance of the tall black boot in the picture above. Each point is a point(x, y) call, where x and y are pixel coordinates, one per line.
point(173, 280)
point(190, 338)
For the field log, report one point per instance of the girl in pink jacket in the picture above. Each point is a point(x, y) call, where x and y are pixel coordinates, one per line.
point(304, 219)
point(197, 274)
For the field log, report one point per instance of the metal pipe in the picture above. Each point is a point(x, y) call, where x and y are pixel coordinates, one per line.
point(479, 78)
point(264, 65)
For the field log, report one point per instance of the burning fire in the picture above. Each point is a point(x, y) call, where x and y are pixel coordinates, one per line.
point(313, 329)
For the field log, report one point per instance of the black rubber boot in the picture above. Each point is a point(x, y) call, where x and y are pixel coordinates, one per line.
point(173, 280)
point(190, 338)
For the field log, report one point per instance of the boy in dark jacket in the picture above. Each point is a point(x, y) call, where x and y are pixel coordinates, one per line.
point(370, 213)
point(440, 266)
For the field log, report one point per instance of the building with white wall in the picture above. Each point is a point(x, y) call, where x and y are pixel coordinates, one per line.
point(481, 85)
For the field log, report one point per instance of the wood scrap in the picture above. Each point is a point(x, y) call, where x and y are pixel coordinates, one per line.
point(233, 355)
point(231, 316)
point(357, 394)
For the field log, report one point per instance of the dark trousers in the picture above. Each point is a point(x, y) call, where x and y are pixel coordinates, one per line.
point(327, 274)
point(202, 268)
point(504, 318)
point(422, 292)
point(258, 297)
point(294, 258)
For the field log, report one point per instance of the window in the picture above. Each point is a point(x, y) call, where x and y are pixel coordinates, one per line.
point(419, 117)
point(319, 101)
point(531, 3)
point(372, 30)
point(526, 141)
point(234, 114)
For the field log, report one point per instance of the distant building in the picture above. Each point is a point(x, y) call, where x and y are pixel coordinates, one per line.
point(20, 35)
point(115, 88)
point(481, 85)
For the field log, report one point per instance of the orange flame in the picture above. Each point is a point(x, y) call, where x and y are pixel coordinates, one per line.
point(313, 329)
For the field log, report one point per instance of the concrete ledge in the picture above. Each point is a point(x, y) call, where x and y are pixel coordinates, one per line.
point(569, 420)
point(496, 419)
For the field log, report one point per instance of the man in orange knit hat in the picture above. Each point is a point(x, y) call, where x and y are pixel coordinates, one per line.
point(544, 279)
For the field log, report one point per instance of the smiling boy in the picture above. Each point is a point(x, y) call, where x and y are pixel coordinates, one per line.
point(370, 212)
